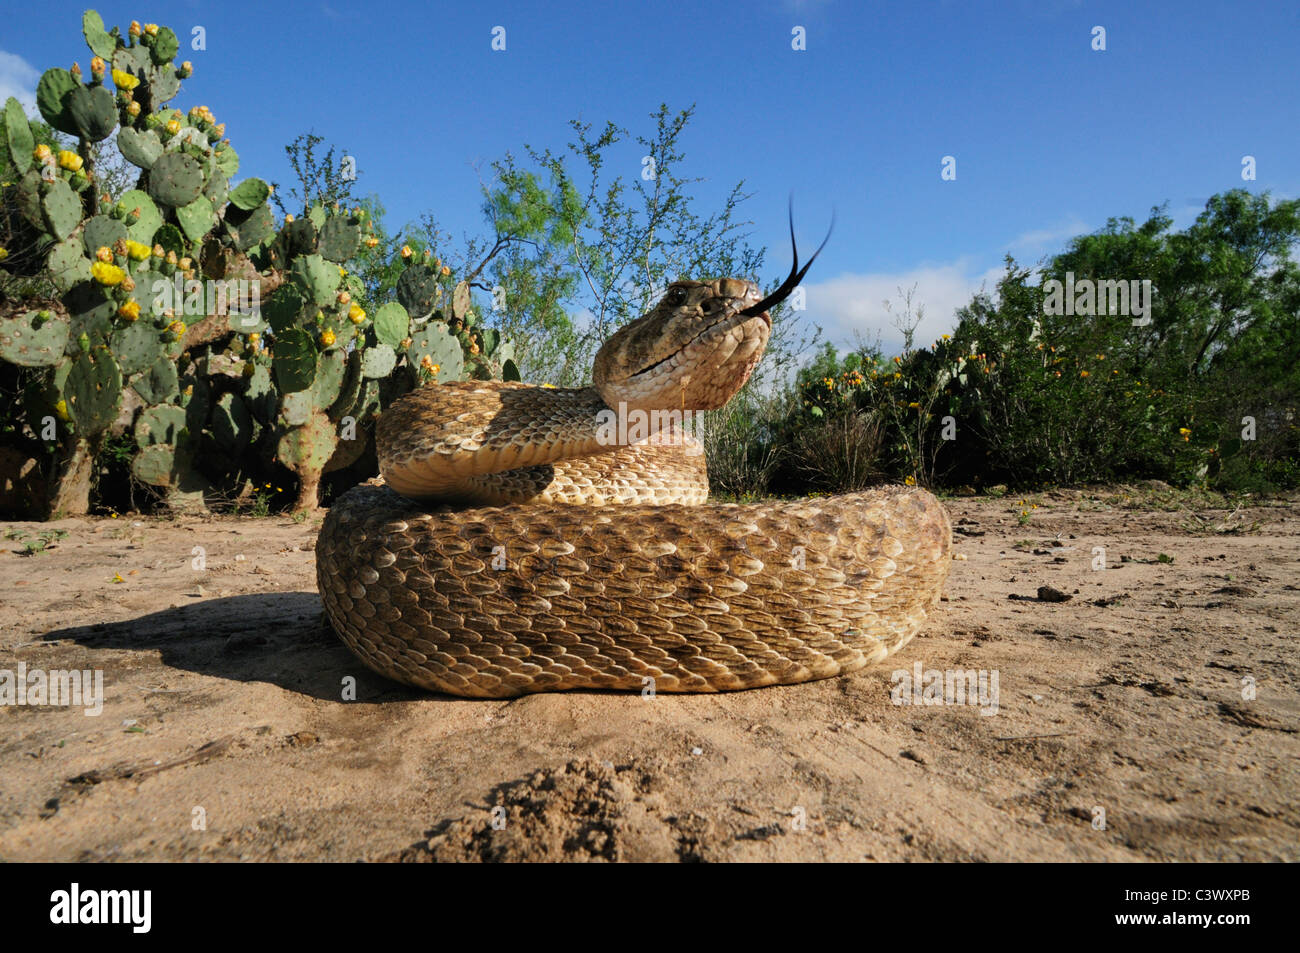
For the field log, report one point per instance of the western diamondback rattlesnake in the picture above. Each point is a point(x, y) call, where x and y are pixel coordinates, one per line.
point(521, 545)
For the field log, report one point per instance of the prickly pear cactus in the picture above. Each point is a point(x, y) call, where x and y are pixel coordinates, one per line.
point(138, 338)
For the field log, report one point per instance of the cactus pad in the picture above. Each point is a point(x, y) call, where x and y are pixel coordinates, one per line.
point(102, 231)
point(441, 347)
point(317, 278)
point(33, 339)
point(176, 180)
point(92, 390)
point(378, 361)
point(417, 289)
point(249, 194)
point(18, 134)
point(160, 424)
point(93, 112)
point(196, 218)
point(339, 239)
point(159, 384)
point(295, 360)
point(62, 209)
point(68, 263)
point(139, 147)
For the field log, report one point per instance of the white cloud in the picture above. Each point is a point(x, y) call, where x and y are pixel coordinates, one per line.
point(18, 79)
point(851, 307)
point(1047, 239)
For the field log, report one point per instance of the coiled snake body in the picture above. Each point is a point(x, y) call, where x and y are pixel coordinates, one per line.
point(523, 544)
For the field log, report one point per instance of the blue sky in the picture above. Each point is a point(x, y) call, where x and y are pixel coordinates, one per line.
point(1050, 137)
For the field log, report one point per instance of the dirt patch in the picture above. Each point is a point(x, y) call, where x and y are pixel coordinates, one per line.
point(1152, 715)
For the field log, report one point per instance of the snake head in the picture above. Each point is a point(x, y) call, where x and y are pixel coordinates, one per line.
point(693, 351)
point(698, 346)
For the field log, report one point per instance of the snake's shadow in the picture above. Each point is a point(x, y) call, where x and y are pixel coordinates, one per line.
point(276, 637)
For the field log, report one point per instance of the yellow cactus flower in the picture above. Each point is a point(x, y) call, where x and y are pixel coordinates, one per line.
point(133, 109)
point(69, 160)
point(426, 362)
point(371, 242)
point(171, 258)
point(342, 271)
point(135, 28)
point(344, 297)
point(61, 408)
point(327, 338)
point(185, 264)
point(910, 481)
point(406, 251)
point(123, 80)
point(130, 311)
point(158, 252)
point(356, 314)
point(41, 152)
point(137, 251)
point(151, 29)
point(445, 271)
point(97, 65)
point(107, 274)
point(128, 283)
point(288, 220)
point(173, 126)
point(177, 328)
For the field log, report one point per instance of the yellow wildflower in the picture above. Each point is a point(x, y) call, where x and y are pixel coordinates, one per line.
point(406, 251)
point(1083, 373)
point(61, 408)
point(137, 251)
point(356, 314)
point(107, 274)
point(914, 406)
point(327, 338)
point(124, 80)
point(910, 481)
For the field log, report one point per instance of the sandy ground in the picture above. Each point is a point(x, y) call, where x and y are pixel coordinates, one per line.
point(1121, 731)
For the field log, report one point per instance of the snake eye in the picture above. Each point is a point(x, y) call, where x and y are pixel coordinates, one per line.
point(675, 297)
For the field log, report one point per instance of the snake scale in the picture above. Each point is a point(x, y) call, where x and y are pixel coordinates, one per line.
point(522, 544)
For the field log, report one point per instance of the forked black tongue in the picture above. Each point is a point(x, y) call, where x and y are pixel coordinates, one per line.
point(796, 273)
